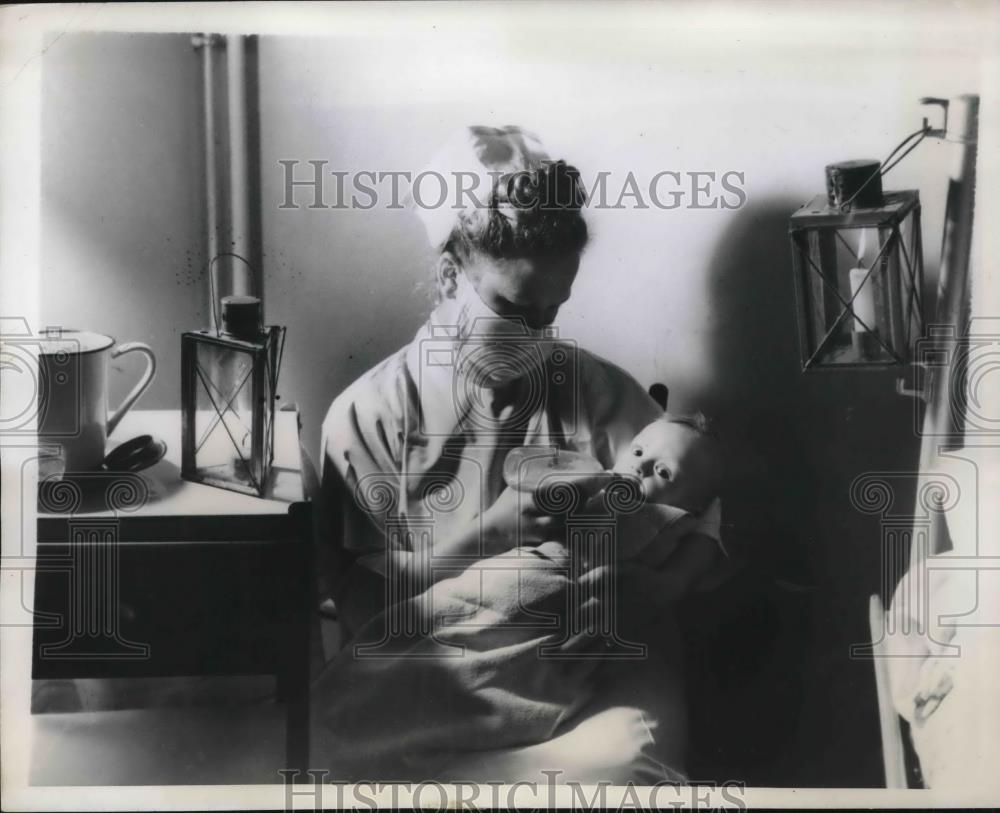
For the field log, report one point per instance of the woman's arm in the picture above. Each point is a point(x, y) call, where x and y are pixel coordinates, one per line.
point(512, 521)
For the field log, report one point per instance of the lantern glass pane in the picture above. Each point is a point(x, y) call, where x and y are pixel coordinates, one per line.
point(858, 281)
point(851, 311)
point(226, 449)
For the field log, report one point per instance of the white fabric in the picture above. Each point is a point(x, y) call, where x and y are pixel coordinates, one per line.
point(944, 677)
point(472, 159)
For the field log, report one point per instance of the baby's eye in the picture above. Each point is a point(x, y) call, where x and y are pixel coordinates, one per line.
point(663, 472)
point(637, 451)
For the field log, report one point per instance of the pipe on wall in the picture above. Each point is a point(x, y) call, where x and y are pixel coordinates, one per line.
point(205, 44)
point(943, 425)
point(239, 191)
point(227, 150)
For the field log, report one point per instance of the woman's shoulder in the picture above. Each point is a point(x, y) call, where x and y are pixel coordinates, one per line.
point(601, 380)
point(600, 370)
point(611, 407)
point(371, 406)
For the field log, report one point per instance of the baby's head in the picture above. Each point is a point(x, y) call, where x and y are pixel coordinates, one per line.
point(677, 459)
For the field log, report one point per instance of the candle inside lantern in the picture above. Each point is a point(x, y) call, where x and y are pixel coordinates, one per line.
point(862, 291)
point(864, 300)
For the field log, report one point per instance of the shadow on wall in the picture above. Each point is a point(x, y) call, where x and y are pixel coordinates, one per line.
point(744, 640)
point(769, 650)
point(756, 393)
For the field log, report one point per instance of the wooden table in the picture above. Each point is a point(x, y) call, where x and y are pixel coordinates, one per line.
point(143, 575)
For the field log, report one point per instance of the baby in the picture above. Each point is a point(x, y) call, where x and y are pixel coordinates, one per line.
point(675, 463)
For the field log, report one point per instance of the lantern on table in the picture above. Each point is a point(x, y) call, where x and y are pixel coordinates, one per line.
point(858, 264)
point(229, 376)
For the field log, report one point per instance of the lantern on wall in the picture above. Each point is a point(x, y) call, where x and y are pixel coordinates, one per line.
point(229, 377)
point(858, 264)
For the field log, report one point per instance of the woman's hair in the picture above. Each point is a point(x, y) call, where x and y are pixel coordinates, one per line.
point(529, 214)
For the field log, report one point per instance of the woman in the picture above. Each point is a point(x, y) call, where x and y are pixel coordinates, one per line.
point(420, 441)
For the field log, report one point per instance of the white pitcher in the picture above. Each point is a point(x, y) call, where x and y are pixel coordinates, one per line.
point(73, 393)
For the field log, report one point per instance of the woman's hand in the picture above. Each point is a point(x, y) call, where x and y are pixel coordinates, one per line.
point(646, 591)
point(515, 520)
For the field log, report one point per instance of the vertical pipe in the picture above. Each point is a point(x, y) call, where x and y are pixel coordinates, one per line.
point(255, 228)
point(211, 191)
point(943, 425)
point(953, 282)
point(205, 42)
point(239, 196)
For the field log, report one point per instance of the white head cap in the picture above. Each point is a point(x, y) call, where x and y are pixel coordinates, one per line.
point(464, 173)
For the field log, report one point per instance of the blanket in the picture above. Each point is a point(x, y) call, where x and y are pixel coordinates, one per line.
point(503, 653)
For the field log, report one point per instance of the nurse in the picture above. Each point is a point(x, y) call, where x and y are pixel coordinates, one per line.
point(419, 441)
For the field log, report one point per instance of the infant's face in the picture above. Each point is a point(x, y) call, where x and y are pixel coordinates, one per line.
point(670, 460)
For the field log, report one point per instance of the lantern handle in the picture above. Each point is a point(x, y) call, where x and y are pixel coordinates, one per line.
point(925, 131)
point(888, 164)
point(213, 288)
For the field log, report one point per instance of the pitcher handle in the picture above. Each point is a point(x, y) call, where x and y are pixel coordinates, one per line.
point(138, 389)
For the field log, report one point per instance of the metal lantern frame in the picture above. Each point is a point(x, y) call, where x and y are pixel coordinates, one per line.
point(262, 378)
point(814, 231)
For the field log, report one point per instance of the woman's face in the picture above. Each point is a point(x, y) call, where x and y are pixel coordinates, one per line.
point(492, 301)
point(531, 290)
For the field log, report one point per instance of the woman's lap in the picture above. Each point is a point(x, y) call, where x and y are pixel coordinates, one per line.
point(634, 730)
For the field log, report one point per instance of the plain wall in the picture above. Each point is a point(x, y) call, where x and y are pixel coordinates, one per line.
point(123, 230)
